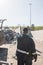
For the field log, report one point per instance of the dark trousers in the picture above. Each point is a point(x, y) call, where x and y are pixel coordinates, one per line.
point(23, 59)
point(22, 62)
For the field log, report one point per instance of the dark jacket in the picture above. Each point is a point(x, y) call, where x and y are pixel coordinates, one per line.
point(25, 43)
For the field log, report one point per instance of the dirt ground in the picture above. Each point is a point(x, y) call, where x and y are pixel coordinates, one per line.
point(12, 52)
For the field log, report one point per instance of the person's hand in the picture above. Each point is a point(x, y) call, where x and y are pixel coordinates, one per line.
point(35, 57)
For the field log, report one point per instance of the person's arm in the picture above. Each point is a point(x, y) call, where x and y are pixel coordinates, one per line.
point(33, 50)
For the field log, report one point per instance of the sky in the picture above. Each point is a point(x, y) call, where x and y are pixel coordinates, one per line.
point(17, 12)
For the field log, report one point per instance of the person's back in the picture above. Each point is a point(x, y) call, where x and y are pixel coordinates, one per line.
point(25, 43)
point(25, 47)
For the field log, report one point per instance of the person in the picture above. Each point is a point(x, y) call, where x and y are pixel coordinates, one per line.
point(26, 51)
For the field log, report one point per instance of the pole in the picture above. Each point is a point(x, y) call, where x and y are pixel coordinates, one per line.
point(30, 12)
